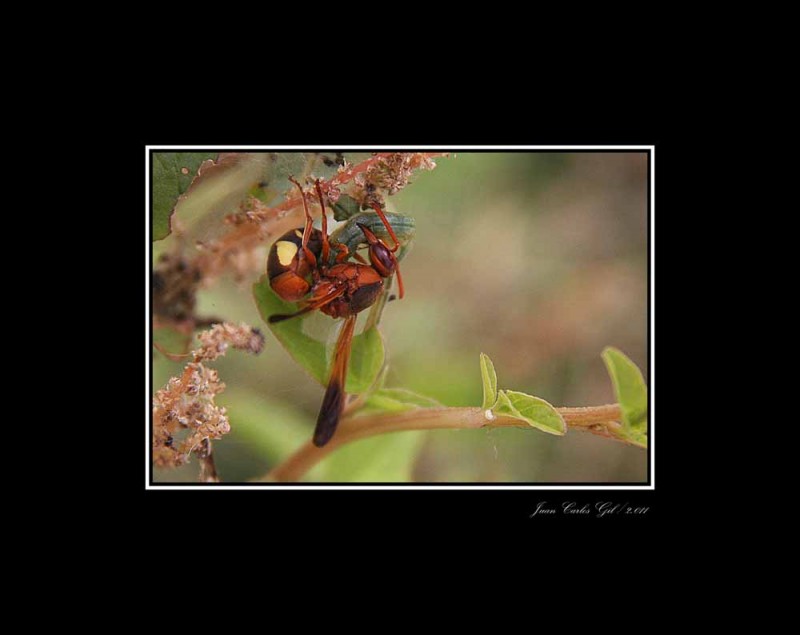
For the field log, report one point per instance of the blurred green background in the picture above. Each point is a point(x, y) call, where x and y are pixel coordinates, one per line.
point(537, 259)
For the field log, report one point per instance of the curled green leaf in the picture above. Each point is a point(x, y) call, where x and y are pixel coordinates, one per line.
point(489, 377)
point(630, 390)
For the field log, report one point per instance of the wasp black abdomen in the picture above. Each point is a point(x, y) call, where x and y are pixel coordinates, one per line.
point(329, 413)
point(364, 297)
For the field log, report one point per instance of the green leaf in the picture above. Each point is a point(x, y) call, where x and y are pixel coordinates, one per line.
point(503, 406)
point(366, 356)
point(387, 458)
point(270, 429)
point(366, 360)
point(534, 411)
point(173, 173)
point(304, 349)
point(489, 382)
point(396, 400)
point(346, 207)
point(631, 391)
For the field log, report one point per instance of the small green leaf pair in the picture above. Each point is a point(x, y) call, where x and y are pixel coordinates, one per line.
point(532, 410)
point(629, 388)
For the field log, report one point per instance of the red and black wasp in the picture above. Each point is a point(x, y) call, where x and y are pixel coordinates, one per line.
point(299, 269)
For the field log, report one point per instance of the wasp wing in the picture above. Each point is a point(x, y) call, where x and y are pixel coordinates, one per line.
point(333, 402)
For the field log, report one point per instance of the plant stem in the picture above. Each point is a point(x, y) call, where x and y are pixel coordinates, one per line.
point(208, 470)
point(275, 220)
point(600, 420)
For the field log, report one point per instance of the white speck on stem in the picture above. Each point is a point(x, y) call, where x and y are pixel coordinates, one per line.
point(489, 415)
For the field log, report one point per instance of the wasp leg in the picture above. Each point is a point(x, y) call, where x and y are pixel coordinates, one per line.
point(313, 305)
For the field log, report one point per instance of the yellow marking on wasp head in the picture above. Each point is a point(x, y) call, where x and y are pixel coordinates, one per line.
point(298, 233)
point(286, 251)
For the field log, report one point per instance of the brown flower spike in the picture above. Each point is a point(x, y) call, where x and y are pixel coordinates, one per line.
point(390, 174)
point(185, 416)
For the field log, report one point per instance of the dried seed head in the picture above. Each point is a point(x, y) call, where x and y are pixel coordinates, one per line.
point(333, 193)
point(187, 403)
point(389, 174)
point(215, 342)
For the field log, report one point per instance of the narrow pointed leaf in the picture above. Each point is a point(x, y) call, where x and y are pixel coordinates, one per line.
point(489, 377)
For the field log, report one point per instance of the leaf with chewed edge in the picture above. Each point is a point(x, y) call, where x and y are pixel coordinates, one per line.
point(173, 173)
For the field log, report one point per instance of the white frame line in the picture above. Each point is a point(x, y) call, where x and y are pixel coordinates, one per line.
point(309, 486)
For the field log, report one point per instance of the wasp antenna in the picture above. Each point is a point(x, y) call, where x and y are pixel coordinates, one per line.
point(325, 244)
point(307, 231)
point(313, 305)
